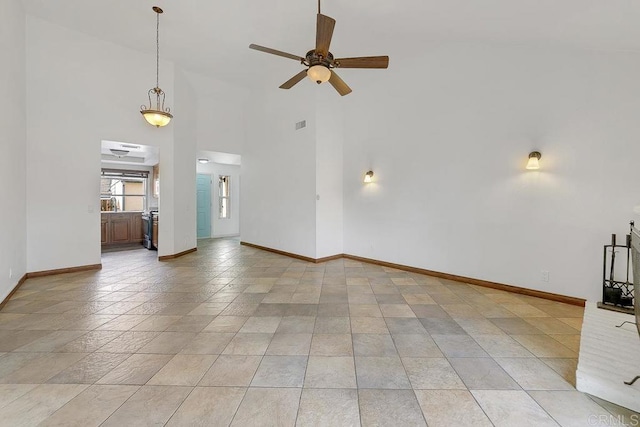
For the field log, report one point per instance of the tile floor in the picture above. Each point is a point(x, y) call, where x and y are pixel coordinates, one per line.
point(231, 335)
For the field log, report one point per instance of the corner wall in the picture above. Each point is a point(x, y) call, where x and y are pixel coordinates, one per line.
point(329, 173)
point(13, 225)
point(184, 165)
point(278, 206)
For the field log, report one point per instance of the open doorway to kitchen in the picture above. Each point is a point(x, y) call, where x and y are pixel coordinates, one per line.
point(129, 196)
point(218, 194)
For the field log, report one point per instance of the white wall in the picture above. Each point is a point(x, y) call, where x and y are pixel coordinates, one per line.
point(278, 171)
point(329, 175)
point(220, 115)
point(447, 135)
point(81, 90)
point(13, 226)
point(230, 226)
point(184, 180)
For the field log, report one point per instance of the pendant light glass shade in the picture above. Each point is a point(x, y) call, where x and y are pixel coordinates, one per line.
point(319, 73)
point(157, 115)
point(157, 118)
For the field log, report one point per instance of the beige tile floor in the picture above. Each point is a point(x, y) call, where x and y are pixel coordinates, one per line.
point(231, 335)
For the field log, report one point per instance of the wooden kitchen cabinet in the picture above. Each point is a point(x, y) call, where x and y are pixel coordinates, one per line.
point(136, 228)
point(104, 230)
point(120, 228)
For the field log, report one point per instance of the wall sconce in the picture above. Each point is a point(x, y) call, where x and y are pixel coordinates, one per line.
point(534, 160)
point(204, 161)
point(368, 177)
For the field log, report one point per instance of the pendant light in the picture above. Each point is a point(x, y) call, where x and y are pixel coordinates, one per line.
point(158, 116)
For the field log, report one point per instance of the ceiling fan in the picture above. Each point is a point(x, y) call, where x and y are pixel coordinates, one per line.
point(320, 62)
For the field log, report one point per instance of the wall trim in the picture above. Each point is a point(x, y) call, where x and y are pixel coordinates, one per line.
point(13, 291)
point(329, 258)
point(478, 282)
point(278, 251)
point(64, 270)
point(454, 277)
point(178, 255)
point(222, 236)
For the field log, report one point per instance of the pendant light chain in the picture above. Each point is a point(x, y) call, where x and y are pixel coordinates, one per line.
point(157, 50)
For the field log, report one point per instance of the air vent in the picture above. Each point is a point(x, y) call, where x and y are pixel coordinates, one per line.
point(300, 125)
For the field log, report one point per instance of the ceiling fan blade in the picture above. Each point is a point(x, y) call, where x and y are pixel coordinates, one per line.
point(363, 62)
point(275, 52)
point(294, 80)
point(324, 32)
point(339, 84)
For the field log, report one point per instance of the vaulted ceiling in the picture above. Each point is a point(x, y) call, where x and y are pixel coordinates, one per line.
point(212, 36)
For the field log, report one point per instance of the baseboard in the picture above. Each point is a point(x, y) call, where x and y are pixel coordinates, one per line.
point(456, 278)
point(329, 258)
point(178, 255)
point(278, 251)
point(64, 270)
point(478, 282)
point(13, 291)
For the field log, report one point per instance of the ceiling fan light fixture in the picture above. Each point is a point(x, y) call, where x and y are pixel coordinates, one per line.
point(319, 73)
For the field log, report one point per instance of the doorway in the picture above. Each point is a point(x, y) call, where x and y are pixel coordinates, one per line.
point(203, 202)
point(129, 177)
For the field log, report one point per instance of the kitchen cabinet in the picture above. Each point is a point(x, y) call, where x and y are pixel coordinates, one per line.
point(136, 228)
point(104, 230)
point(120, 228)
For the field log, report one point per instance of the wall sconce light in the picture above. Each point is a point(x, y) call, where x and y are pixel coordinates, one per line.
point(203, 160)
point(534, 160)
point(368, 177)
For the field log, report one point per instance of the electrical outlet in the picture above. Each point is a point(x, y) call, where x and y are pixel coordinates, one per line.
point(544, 276)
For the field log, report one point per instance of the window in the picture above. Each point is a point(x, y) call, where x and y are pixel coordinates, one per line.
point(224, 193)
point(122, 190)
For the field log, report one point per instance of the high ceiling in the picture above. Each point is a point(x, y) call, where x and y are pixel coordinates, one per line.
point(212, 36)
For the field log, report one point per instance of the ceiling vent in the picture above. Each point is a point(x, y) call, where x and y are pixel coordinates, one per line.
point(300, 125)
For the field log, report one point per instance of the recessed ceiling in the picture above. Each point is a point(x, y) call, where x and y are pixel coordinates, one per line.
point(212, 37)
point(136, 154)
point(221, 158)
